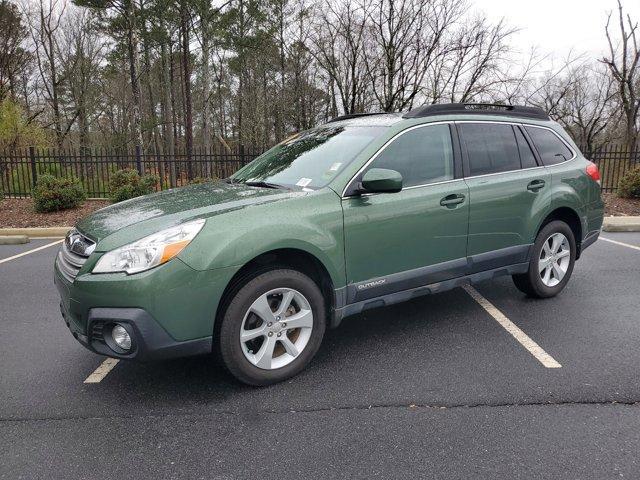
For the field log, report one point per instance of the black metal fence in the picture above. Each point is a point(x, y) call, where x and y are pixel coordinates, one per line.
point(20, 169)
point(613, 162)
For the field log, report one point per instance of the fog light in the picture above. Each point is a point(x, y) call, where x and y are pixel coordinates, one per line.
point(121, 337)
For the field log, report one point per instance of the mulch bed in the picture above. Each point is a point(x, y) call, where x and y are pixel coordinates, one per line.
point(19, 213)
point(620, 207)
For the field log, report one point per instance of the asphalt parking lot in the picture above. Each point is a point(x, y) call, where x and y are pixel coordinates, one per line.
point(433, 388)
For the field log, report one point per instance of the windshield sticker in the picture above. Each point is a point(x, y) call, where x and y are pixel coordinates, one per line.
point(303, 182)
point(335, 167)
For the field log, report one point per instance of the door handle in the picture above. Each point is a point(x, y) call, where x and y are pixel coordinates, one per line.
point(452, 200)
point(535, 185)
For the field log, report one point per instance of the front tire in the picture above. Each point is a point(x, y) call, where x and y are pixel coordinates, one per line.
point(551, 263)
point(272, 327)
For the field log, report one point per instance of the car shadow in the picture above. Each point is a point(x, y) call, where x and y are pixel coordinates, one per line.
point(367, 341)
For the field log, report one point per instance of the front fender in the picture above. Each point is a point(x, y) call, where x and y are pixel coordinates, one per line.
point(312, 223)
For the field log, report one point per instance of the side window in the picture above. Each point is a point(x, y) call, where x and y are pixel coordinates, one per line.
point(527, 159)
point(551, 149)
point(491, 148)
point(422, 155)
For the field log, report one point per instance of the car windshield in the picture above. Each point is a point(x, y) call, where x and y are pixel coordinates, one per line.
point(310, 159)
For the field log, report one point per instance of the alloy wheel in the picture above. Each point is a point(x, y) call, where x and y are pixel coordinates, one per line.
point(555, 258)
point(276, 328)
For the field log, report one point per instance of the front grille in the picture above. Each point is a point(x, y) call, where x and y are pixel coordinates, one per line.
point(75, 250)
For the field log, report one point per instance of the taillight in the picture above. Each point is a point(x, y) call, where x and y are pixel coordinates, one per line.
point(593, 172)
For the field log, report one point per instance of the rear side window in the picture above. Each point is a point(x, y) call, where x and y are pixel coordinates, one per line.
point(551, 149)
point(527, 159)
point(491, 148)
point(422, 155)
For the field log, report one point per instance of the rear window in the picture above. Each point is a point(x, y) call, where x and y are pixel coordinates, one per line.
point(491, 148)
point(551, 149)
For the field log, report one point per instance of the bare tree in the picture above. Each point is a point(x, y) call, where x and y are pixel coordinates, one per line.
point(480, 53)
point(45, 19)
point(590, 106)
point(549, 90)
point(623, 62)
point(122, 19)
point(339, 42)
point(408, 37)
point(82, 53)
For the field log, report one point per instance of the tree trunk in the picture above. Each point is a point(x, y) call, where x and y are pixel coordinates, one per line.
point(167, 127)
point(280, 117)
point(151, 99)
point(174, 118)
point(186, 75)
point(46, 35)
point(206, 93)
point(134, 62)
point(82, 125)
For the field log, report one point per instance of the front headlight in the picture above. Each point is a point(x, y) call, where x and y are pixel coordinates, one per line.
point(150, 251)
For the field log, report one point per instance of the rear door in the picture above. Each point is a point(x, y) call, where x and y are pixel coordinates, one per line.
point(508, 189)
point(397, 241)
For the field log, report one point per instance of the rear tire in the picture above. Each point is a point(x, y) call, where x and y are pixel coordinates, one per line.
point(551, 263)
point(272, 327)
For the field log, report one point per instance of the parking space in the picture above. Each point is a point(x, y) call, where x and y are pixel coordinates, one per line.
point(592, 328)
point(438, 387)
point(625, 238)
point(9, 251)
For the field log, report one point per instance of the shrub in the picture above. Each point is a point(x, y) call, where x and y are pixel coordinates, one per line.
point(126, 184)
point(52, 194)
point(20, 175)
point(629, 186)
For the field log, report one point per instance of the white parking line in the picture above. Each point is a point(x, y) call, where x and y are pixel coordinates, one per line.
point(31, 251)
point(620, 243)
point(102, 371)
point(534, 349)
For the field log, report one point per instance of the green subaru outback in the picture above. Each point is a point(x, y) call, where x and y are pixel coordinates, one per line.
point(359, 213)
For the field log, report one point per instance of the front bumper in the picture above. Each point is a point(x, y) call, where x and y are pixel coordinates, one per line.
point(168, 311)
point(150, 341)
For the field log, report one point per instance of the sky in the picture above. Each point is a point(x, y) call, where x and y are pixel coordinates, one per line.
point(558, 26)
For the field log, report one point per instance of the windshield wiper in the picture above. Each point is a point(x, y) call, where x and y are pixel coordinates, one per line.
point(231, 180)
point(265, 185)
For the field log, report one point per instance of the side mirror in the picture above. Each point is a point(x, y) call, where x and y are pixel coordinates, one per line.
point(381, 180)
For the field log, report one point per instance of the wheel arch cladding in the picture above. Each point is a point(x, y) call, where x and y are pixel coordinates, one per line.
point(570, 217)
point(293, 258)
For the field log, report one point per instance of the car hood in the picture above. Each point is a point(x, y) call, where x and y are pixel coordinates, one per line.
point(160, 210)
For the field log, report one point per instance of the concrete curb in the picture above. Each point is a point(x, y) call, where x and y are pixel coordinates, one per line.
point(36, 232)
point(621, 224)
point(13, 239)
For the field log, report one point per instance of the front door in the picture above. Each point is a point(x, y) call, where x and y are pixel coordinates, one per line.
point(418, 236)
point(508, 191)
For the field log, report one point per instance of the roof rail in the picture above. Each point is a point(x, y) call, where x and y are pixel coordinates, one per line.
point(355, 115)
point(477, 108)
